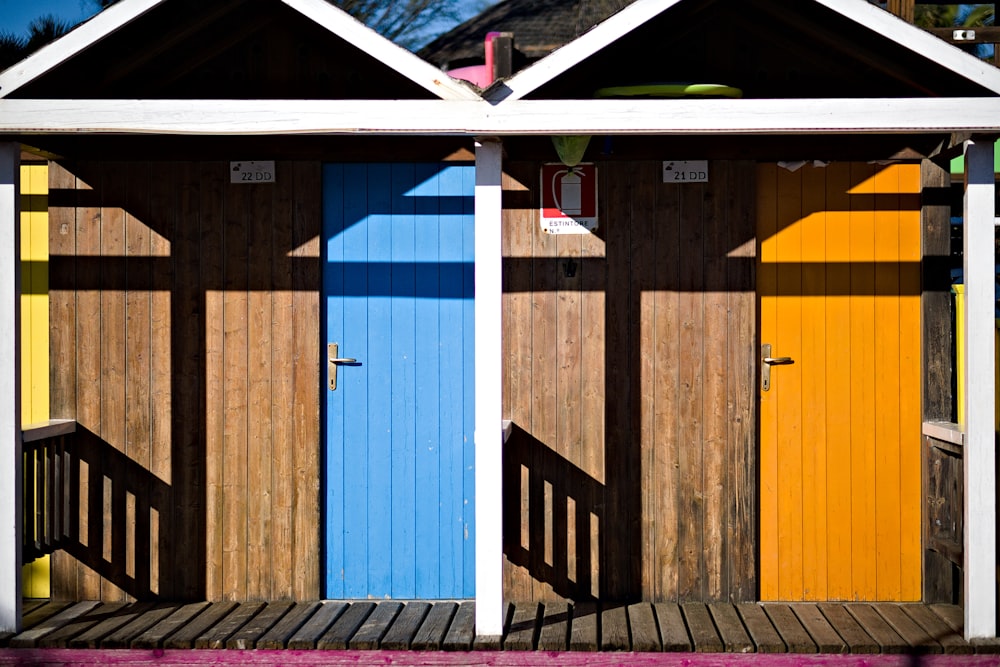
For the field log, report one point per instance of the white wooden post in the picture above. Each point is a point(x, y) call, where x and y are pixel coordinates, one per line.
point(10, 386)
point(489, 387)
point(980, 555)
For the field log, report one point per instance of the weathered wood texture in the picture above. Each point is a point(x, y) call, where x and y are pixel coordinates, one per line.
point(669, 627)
point(629, 374)
point(185, 343)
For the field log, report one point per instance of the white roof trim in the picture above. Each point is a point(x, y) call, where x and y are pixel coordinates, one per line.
point(638, 13)
point(584, 46)
point(332, 18)
point(936, 115)
point(80, 38)
point(392, 55)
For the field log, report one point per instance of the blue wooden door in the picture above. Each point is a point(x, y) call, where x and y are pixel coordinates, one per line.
point(398, 298)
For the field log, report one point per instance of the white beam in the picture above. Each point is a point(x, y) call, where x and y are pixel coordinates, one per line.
point(10, 386)
point(980, 554)
point(489, 387)
point(515, 117)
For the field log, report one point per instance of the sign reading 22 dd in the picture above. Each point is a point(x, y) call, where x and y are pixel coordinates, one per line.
point(685, 171)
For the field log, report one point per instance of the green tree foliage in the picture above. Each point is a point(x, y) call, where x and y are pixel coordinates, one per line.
point(957, 16)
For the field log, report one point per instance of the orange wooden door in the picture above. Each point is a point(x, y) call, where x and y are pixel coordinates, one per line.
point(839, 293)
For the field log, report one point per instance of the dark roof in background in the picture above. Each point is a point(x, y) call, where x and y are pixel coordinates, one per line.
point(539, 27)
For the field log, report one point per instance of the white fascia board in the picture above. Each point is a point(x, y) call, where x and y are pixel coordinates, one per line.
point(917, 40)
point(636, 14)
point(85, 35)
point(516, 118)
point(607, 32)
point(391, 54)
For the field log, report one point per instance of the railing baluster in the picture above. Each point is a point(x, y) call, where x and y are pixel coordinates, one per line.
point(46, 493)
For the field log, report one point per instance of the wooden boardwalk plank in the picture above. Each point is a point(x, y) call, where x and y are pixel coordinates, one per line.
point(614, 629)
point(61, 637)
point(93, 638)
point(124, 636)
point(462, 630)
point(553, 633)
point(343, 629)
point(951, 614)
point(158, 632)
point(32, 618)
point(247, 636)
point(826, 637)
point(202, 621)
point(30, 638)
point(432, 631)
point(375, 626)
point(951, 641)
point(313, 629)
point(217, 635)
point(642, 622)
point(583, 628)
point(888, 639)
point(857, 640)
point(734, 636)
point(290, 623)
point(699, 623)
point(788, 626)
point(914, 635)
point(673, 631)
point(404, 629)
point(31, 605)
point(762, 632)
point(522, 634)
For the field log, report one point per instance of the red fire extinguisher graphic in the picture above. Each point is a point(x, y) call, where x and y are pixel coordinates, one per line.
point(567, 191)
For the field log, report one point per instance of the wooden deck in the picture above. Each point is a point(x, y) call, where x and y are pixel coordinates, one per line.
point(695, 628)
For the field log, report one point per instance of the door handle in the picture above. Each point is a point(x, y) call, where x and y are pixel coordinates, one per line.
point(766, 361)
point(333, 361)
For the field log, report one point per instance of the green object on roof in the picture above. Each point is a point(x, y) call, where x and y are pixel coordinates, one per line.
point(958, 164)
point(671, 90)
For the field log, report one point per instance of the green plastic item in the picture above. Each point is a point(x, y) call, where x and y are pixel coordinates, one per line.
point(671, 90)
point(570, 149)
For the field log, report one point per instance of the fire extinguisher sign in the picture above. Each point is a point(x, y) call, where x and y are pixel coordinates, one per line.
point(569, 198)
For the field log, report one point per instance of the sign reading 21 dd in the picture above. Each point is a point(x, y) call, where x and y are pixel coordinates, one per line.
point(569, 198)
point(685, 171)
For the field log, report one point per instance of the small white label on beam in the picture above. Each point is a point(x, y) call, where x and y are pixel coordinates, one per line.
point(252, 171)
point(685, 171)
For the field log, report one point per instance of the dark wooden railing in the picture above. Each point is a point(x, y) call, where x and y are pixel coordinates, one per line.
point(47, 505)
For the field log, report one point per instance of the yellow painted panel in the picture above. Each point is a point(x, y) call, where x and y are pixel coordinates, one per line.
point(840, 470)
point(35, 328)
point(837, 410)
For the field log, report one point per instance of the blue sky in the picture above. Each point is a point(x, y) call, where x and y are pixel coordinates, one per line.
point(15, 15)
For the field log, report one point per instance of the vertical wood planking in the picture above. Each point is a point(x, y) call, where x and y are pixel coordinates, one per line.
point(716, 377)
point(814, 369)
point(235, 454)
point(138, 341)
point(666, 428)
point(862, 361)
point(260, 445)
point(62, 338)
point(839, 538)
point(767, 282)
point(911, 371)
point(213, 267)
point(786, 383)
point(406, 367)
point(886, 336)
point(113, 374)
point(282, 387)
point(307, 226)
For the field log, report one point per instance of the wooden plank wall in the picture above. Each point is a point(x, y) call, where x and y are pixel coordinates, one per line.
point(629, 374)
point(184, 340)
